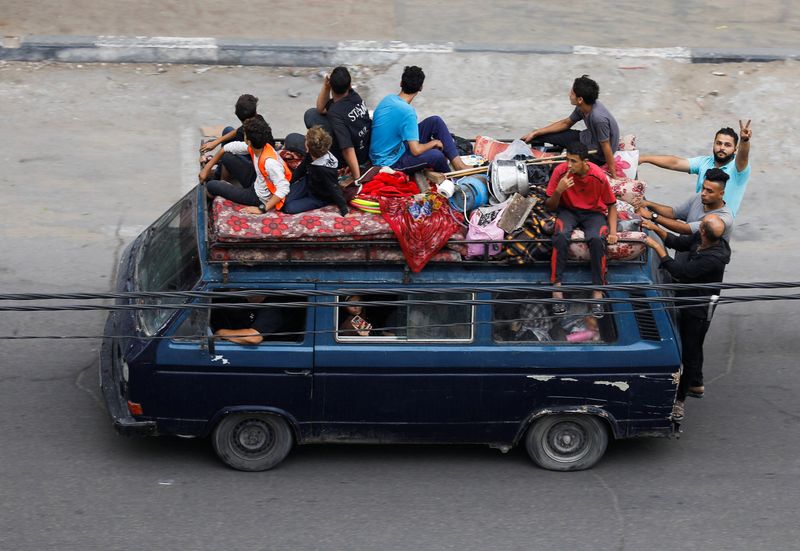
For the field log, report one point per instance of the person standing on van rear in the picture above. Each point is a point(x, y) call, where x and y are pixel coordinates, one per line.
point(399, 142)
point(342, 112)
point(271, 187)
point(729, 153)
point(580, 194)
point(708, 253)
point(602, 131)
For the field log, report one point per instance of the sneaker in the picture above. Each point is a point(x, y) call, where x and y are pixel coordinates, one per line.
point(597, 310)
point(560, 309)
point(696, 391)
point(678, 411)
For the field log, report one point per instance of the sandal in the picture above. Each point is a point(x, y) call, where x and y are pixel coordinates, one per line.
point(696, 391)
point(559, 309)
point(678, 411)
point(597, 310)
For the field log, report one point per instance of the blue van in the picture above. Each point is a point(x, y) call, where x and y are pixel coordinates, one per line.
point(369, 352)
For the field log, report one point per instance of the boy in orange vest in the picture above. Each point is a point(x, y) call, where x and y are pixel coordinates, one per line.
point(272, 176)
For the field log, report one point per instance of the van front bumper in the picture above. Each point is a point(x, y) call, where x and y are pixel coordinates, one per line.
point(116, 404)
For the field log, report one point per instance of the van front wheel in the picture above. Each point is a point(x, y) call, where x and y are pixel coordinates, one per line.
point(566, 442)
point(252, 441)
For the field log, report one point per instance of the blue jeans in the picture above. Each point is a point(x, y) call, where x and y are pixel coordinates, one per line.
point(300, 198)
point(432, 128)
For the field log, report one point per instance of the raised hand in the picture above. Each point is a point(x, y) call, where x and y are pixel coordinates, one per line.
point(745, 133)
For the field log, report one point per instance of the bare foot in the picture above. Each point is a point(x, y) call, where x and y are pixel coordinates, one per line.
point(252, 210)
point(458, 164)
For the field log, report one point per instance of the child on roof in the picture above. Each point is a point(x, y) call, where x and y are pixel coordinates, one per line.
point(315, 183)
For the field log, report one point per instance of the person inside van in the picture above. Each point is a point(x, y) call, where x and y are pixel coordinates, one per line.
point(246, 325)
point(580, 194)
point(354, 322)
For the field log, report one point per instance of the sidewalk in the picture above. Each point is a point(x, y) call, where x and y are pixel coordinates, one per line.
point(214, 51)
point(303, 33)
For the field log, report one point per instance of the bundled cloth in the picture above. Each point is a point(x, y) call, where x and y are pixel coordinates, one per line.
point(422, 227)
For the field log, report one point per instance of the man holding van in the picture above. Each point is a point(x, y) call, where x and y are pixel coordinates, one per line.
point(580, 193)
point(707, 255)
point(730, 153)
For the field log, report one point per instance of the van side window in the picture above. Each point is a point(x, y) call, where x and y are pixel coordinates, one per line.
point(423, 317)
point(255, 323)
point(532, 321)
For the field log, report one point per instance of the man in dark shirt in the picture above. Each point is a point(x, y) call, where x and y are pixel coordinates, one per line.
point(602, 131)
point(708, 253)
point(342, 112)
point(246, 325)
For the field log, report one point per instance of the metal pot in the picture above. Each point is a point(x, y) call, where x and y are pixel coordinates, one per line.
point(507, 178)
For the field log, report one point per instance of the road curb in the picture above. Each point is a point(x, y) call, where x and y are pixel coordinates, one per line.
point(215, 51)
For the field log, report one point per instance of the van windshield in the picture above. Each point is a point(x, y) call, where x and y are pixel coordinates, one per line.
point(168, 260)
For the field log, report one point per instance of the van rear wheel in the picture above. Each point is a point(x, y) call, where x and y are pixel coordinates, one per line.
point(252, 441)
point(566, 442)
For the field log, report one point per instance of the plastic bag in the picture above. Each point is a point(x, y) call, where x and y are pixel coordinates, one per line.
point(517, 147)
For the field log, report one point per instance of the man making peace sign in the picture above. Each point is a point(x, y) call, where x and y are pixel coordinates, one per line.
point(730, 152)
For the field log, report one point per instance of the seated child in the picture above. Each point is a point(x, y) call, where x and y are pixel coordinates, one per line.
point(354, 324)
point(315, 183)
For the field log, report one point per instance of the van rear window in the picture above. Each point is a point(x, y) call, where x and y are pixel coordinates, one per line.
point(528, 319)
point(412, 318)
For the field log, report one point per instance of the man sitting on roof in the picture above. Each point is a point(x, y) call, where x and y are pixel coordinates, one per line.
point(270, 189)
point(236, 166)
point(399, 142)
point(602, 131)
point(580, 193)
point(342, 112)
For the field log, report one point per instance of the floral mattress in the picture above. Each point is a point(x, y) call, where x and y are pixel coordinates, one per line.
point(231, 225)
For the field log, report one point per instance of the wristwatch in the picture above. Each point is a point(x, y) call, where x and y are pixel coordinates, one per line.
point(262, 207)
point(654, 216)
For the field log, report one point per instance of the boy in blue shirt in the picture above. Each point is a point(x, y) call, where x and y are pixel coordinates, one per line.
point(399, 142)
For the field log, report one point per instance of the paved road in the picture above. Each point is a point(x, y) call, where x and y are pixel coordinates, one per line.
point(625, 23)
point(96, 152)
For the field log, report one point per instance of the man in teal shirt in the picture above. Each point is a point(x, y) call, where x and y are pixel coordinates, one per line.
point(730, 153)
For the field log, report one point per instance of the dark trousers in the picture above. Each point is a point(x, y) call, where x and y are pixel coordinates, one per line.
point(693, 334)
point(563, 139)
point(312, 117)
point(240, 168)
point(243, 196)
point(595, 228)
point(300, 198)
point(432, 128)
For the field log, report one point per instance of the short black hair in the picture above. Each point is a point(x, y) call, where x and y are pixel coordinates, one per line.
point(717, 175)
point(728, 131)
point(412, 79)
point(579, 149)
point(340, 80)
point(586, 88)
point(246, 107)
point(258, 131)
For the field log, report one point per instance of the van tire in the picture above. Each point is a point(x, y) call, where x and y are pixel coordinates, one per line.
point(566, 442)
point(252, 441)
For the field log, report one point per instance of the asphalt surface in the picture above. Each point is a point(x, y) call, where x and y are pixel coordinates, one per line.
point(96, 152)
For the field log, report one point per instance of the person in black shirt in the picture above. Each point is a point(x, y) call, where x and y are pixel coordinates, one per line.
point(246, 325)
point(708, 254)
point(342, 112)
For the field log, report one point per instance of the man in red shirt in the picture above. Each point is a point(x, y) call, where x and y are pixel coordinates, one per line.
point(580, 193)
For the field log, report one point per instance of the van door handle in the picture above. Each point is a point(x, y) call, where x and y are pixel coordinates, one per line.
point(301, 372)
